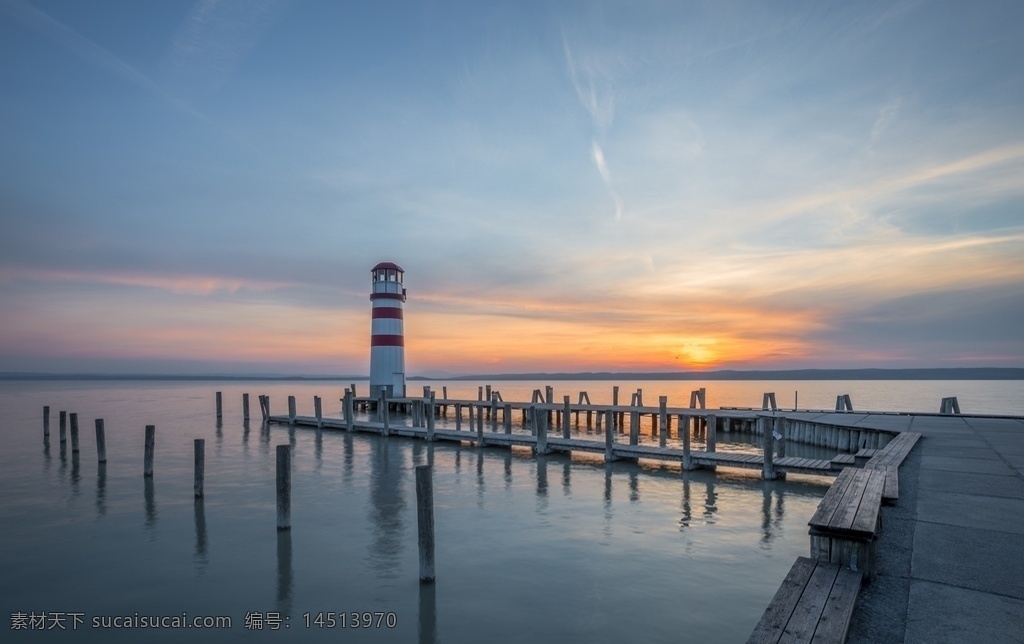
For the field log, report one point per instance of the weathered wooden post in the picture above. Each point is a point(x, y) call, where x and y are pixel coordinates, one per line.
point(63, 427)
point(147, 461)
point(284, 487)
point(662, 420)
point(425, 521)
point(385, 415)
point(318, 409)
point(766, 428)
point(291, 410)
point(565, 417)
point(101, 442)
point(609, 437)
point(46, 424)
point(781, 435)
point(429, 402)
point(507, 418)
point(712, 433)
point(245, 406)
point(219, 410)
point(199, 448)
point(458, 417)
point(542, 436)
point(74, 433)
point(479, 425)
point(350, 410)
point(634, 424)
point(684, 433)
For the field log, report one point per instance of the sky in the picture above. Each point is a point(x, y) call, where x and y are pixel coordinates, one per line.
point(203, 186)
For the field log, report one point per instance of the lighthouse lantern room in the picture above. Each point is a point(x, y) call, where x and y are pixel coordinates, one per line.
point(387, 340)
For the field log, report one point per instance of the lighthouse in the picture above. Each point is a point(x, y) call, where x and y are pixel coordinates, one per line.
point(387, 340)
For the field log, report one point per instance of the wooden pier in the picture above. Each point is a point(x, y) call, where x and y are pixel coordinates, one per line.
point(546, 427)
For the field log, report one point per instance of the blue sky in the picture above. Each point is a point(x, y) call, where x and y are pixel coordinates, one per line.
point(204, 186)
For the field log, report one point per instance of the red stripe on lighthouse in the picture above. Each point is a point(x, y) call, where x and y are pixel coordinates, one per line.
point(392, 312)
point(387, 341)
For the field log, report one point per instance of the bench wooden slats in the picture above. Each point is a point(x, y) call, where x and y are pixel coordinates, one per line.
point(827, 506)
point(866, 520)
point(813, 604)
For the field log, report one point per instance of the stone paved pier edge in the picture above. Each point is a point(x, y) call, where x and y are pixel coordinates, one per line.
point(951, 552)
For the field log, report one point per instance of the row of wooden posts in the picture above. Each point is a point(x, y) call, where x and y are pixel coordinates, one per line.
point(424, 484)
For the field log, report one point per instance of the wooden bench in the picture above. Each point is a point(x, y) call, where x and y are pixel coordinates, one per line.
point(888, 459)
point(848, 518)
point(814, 603)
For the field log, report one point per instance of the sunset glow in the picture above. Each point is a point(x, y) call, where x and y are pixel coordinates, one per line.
point(598, 187)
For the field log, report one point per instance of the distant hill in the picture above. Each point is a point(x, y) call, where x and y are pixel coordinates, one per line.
point(966, 373)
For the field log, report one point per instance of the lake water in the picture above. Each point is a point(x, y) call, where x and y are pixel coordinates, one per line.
point(549, 549)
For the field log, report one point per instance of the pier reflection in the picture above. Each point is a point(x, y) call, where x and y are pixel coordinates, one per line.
point(567, 478)
point(634, 487)
point(285, 580)
point(608, 512)
point(101, 489)
point(686, 508)
point(710, 503)
point(150, 505)
point(318, 449)
point(481, 488)
point(771, 520)
point(347, 459)
point(76, 474)
point(428, 614)
point(507, 457)
point(542, 476)
point(200, 558)
point(387, 506)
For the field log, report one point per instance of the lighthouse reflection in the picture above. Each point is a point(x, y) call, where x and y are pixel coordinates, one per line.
point(387, 506)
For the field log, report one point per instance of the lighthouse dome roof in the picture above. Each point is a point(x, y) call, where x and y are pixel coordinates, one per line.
point(388, 265)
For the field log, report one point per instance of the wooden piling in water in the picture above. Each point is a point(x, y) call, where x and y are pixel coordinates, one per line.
point(74, 433)
point(458, 417)
point(291, 410)
point(384, 413)
point(46, 424)
point(101, 442)
point(566, 420)
point(609, 437)
point(662, 420)
point(425, 522)
point(781, 429)
point(712, 433)
point(147, 459)
point(63, 427)
point(350, 410)
point(199, 471)
point(429, 402)
point(684, 433)
point(284, 487)
point(542, 438)
point(318, 411)
point(507, 418)
point(245, 406)
point(219, 408)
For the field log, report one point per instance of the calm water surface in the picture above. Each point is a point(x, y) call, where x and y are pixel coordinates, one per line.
point(550, 549)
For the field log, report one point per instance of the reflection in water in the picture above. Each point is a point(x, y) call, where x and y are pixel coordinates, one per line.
point(428, 614)
point(608, 513)
point(480, 488)
point(634, 487)
point(508, 469)
point(542, 478)
point(46, 454)
point(150, 507)
point(387, 506)
point(101, 489)
point(284, 572)
point(199, 510)
point(687, 509)
point(76, 476)
point(771, 529)
point(346, 458)
point(567, 478)
point(710, 503)
point(318, 449)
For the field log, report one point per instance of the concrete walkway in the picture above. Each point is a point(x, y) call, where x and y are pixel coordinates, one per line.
point(951, 552)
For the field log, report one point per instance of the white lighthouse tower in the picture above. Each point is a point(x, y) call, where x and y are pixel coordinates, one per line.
point(387, 339)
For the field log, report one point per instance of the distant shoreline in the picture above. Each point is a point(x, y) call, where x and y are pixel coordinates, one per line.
point(964, 373)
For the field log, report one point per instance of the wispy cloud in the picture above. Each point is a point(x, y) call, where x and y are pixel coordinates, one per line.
point(886, 116)
point(216, 37)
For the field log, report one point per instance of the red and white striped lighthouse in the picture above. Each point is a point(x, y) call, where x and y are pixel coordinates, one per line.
point(387, 340)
